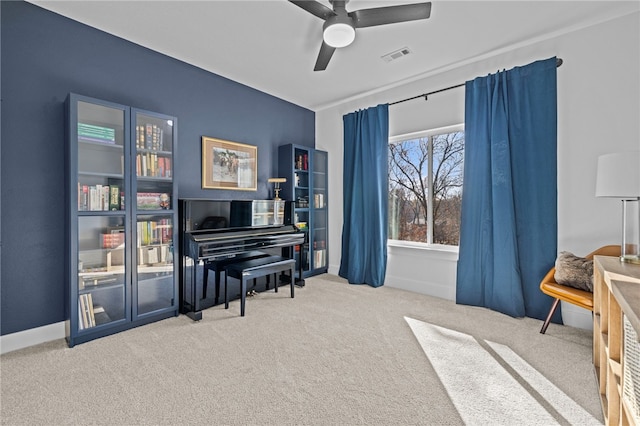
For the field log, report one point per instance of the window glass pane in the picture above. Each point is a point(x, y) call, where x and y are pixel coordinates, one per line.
point(408, 180)
point(415, 213)
point(448, 159)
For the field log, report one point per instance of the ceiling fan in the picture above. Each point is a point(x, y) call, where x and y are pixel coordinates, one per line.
point(339, 29)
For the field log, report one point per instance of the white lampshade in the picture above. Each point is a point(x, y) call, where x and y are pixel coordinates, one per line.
point(338, 31)
point(619, 175)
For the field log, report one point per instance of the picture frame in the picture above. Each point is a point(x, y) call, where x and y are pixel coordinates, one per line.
point(229, 165)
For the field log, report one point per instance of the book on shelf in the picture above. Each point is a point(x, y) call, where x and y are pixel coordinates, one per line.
point(100, 197)
point(149, 136)
point(82, 315)
point(153, 165)
point(86, 317)
point(153, 201)
point(92, 133)
point(112, 240)
point(114, 197)
point(319, 254)
point(154, 232)
point(92, 318)
point(302, 162)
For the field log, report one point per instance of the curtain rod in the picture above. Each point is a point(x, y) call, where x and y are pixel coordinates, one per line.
point(425, 95)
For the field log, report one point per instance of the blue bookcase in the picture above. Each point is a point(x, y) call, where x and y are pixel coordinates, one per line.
point(121, 200)
point(306, 172)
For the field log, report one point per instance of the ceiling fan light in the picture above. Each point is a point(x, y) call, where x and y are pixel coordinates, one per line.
point(338, 32)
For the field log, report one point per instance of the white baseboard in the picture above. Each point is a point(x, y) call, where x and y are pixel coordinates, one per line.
point(23, 339)
point(442, 291)
point(577, 317)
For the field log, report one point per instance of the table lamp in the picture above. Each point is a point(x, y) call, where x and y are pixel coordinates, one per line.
point(276, 186)
point(619, 177)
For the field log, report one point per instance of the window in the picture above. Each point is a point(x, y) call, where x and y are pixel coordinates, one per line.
point(425, 186)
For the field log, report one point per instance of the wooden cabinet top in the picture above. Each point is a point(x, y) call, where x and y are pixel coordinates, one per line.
point(624, 281)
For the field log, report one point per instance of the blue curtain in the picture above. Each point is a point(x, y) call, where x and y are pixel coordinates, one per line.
point(365, 196)
point(508, 233)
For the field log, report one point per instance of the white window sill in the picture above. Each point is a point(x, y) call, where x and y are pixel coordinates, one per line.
point(435, 250)
point(422, 246)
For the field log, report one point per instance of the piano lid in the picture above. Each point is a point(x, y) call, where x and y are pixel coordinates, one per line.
point(211, 235)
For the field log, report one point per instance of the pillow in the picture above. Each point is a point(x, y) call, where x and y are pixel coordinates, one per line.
point(574, 271)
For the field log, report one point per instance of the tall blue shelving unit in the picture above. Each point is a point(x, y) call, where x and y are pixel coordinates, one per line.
point(306, 172)
point(121, 200)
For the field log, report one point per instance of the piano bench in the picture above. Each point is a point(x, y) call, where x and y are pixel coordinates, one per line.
point(219, 265)
point(255, 268)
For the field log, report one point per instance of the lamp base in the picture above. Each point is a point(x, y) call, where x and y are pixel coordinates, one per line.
point(630, 259)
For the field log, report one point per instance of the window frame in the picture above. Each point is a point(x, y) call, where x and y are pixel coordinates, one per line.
point(429, 245)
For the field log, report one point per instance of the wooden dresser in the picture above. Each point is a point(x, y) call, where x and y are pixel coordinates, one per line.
point(616, 348)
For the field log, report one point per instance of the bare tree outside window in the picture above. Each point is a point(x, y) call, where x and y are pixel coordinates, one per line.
point(425, 187)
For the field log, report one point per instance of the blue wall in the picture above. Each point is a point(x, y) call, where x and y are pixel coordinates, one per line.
point(44, 57)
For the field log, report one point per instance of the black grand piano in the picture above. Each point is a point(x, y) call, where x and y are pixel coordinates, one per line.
point(215, 233)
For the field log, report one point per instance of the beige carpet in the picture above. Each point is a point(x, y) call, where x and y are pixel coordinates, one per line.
point(336, 354)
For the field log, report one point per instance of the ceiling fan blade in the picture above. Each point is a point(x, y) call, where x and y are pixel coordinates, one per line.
point(326, 52)
point(315, 8)
point(390, 14)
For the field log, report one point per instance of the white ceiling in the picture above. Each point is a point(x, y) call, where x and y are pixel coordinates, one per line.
point(272, 45)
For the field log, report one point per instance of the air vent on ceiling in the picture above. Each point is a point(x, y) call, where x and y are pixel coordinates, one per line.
point(396, 54)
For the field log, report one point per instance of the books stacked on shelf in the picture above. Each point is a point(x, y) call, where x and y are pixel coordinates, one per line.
point(93, 133)
point(149, 136)
point(86, 314)
point(112, 240)
point(100, 197)
point(153, 201)
point(153, 165)
point(159, 255)
point(302, 162)
point(319, 254)
point(302, 202)
point(89, 315)
point(154, 232)
point(318, 201)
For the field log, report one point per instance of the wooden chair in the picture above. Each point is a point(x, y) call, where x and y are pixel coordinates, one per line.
point(559, 292)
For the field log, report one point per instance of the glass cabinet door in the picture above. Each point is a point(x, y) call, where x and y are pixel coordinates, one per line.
point(155, 207)
point(101, 271)
point(301, 191)
point(100, 231)
point(319, 232)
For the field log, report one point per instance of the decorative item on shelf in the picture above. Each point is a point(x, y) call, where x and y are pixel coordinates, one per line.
point(302, 202)
point(619, 177)
point(164, 201)
point(276, 186)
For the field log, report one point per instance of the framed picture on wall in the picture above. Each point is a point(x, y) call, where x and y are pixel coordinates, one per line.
point(229, 165)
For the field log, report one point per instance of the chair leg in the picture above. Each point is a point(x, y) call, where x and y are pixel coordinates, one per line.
point(548, 320)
